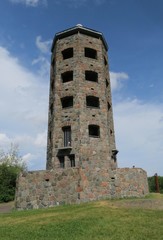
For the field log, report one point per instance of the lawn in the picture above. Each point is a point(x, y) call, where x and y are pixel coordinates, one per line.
point(127, 219)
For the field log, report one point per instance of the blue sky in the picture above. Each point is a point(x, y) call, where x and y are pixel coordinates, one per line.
point(134, 32)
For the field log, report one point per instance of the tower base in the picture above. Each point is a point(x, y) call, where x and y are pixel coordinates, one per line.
point(43, 189)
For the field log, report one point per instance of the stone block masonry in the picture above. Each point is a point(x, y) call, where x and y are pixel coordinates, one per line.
point(43, 189)
point(40, 189)
point(131, 182)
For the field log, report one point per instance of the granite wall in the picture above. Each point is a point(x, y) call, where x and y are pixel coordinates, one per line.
point(130, 182)
point(42, 189)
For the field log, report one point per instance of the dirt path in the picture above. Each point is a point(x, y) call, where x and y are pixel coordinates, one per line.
point(141, 203)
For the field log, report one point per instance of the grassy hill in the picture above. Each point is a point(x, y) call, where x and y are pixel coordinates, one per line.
point(127, 219)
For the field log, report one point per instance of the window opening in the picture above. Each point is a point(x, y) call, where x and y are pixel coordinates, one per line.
point(92, 101)
point(52, 85)
point(91, 76)
point(114, 155)
point(67, 76)
point(52, 59)
point(67, 136)
point(67, 53)
point(50, 137)
point(90, 53)
point(72, 160)
point(107, 84)
point(51, 109)
point(61, 161)
point(94, 130)
point(53, 62)
point(105, 61)
point(109, 106)
point(67, 102)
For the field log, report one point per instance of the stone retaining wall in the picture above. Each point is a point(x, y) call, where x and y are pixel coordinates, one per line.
point(131, 182)
point(42, 189)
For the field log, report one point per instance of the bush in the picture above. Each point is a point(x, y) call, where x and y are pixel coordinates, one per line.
point(10, 166)
point(8, 176)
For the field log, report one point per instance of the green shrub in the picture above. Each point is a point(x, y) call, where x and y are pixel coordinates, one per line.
point(10, 166)
point(8, 175)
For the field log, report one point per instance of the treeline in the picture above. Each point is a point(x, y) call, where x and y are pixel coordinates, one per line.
point(152, 184)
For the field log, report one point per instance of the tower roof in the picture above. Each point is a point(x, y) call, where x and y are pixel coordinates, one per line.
point(81, 29)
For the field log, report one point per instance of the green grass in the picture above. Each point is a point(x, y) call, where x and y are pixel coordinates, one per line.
point(96, 220)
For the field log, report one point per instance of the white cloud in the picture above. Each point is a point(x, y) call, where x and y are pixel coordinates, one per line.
point(4, 140)
point(30, 3)
point(139, 132)
point(22, 94)
point(41, 139)
point(117, 79)
point(41, 61)
point(79, 3)
point(43, 46)
point(27, 158)
point(43, 66)
point(33, 161)
point(23, 104)
point(69, 3)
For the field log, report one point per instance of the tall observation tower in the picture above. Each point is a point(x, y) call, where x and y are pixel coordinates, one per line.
point(81, 152)
point(80, 125)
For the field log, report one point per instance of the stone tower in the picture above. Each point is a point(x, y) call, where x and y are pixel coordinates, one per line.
point(80, 126)
point(81, 152)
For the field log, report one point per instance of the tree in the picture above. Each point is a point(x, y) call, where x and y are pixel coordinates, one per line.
point(11, 164)
point(152, 185)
